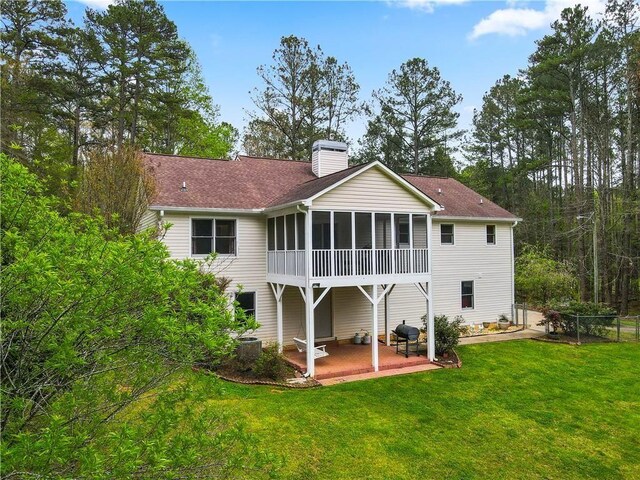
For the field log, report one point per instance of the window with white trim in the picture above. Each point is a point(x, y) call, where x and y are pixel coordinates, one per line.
point(466, 290)
point(246, 303)
point(446, 234)
point(213, 235)
point(491, 234)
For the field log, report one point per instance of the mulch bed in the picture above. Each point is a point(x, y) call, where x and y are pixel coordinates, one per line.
point(452, 361)
point(249, 378)
point(570, 340)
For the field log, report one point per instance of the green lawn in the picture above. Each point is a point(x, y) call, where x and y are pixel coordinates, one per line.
point(516, 410)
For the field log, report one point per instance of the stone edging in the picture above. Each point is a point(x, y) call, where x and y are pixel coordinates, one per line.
point(309, 384)
point(458, 364)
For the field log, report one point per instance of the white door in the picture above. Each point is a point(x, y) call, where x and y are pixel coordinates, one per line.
point(322, 315)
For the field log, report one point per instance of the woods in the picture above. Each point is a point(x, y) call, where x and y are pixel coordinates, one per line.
point(560, 146)
point(123, 77)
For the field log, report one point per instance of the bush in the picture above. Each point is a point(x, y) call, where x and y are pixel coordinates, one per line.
point(92, 322)
point(271, 364)
point(590, 318)
point(447, 334)
point(540, 279)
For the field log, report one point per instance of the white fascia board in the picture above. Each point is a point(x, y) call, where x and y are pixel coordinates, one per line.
point(244, 211)
point(475, 219)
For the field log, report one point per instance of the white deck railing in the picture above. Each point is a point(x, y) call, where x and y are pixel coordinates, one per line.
point(349, 262)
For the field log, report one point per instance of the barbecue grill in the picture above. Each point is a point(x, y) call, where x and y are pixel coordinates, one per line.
point(409, 336)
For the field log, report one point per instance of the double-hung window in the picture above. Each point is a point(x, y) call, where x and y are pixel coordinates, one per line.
point(247, 303)
point(467, 294)
point(213, 235)
point(446, 234)
point(491, 234)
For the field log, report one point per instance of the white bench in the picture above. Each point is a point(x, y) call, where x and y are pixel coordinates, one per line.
point(318, 352)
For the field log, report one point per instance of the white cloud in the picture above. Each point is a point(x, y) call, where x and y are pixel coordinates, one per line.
point(519, 21)
point(427, 6)
point(101, 4)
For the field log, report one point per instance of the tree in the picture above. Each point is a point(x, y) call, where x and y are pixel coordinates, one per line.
point(94, 323)
point(116, 185)
point(540, 279)
point(262, 139)
point(341, 94)
point(287, 94)
point(416, 118)
point(32, 33)
point(305, 97)
point(138, 51)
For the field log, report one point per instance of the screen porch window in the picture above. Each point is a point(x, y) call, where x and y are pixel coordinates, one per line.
point(446, 234)
point(491, 234)
point(213, 235)
point(467, 294)
point(246, 303)
point(402, 231)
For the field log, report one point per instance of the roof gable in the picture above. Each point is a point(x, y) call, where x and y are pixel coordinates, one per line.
point(374, 186)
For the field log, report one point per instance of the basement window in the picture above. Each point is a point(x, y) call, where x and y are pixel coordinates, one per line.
point(467, 294)
point(246, 303)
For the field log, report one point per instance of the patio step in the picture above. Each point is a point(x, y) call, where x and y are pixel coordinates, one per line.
point(406, 363)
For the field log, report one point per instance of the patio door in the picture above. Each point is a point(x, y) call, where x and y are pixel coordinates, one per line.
point(322, 315)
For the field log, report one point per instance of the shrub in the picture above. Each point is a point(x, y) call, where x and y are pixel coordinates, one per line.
point(271, 364)
point(552, 318)
point(447, 334)
point(92, 322)
point(590, 318)
point(540, 279)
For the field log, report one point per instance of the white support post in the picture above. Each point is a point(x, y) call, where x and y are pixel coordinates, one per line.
point(411, 269)
point(353, 243)
point(393, 244)
point(332, 226)
point(308, 297)
point(310, 337)
point(429, 229)
point(431, 338)
point(374, 329)
point(431, 341)
point(374, 260)
point(387, 330)
point(278, 290)
point(375, 301)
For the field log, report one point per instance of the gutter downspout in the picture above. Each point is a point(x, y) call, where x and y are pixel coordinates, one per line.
point(513, 274)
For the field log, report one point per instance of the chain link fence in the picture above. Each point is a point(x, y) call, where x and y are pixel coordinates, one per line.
point(594, 328)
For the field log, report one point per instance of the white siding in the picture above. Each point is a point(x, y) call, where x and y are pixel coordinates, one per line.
point(489, 266)
point(470, 258)
point(248, 268)
point(149, 220)
point(326, 162)
point(371, 190)
point(405, 303)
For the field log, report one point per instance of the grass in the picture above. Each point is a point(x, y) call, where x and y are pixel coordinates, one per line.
point(516, 410)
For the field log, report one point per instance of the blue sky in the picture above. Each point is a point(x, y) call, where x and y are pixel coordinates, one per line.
point(473, 43)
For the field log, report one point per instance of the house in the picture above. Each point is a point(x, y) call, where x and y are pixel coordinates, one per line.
point(320, 250)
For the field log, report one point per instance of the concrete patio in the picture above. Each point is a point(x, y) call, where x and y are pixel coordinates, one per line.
point(348, 359)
